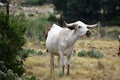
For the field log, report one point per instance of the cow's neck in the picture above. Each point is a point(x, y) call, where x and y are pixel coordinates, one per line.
point(72, 38)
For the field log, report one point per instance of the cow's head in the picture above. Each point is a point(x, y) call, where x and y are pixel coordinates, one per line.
point(80, 28)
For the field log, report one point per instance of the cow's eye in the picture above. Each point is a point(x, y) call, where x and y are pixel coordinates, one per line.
point(79, 26)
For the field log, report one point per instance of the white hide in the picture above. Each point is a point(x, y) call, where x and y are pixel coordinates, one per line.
point(64, 38)
point(60, 41)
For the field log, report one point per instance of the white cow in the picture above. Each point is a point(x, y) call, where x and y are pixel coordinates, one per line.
point(60, 42)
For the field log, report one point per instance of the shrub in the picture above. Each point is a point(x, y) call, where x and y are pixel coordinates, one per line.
point(29, 78)
point(94, 53)
point(52, 18)
point(34, 2)
point(115, 21)
point(30, 51)
point(102, 32)
point(31, 15)
point(12, 30)
point(114, 33)
point(82, 53)
point(36, 27)
point(24, 54)
point(40, 53)
point(74, 52)
point(6, 74)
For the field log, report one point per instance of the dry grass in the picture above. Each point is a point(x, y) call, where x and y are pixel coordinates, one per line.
point(82, 68)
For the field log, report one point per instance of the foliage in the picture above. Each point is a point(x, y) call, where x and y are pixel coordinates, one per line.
point(82, 53)
point(27, 51)
point(92, 53)
point(6, 74)
point(30, 15)
point(52, 18)
point(30, 51)
point(36, 2)
point(115, 21)
point(102, 32)
point(36, 27)
point(113, 33)
point(88, 11)
point(12, 30)
point(4, 1)
point(74, 52)
point(40, 53)
point(78, 9)
point(29, 78)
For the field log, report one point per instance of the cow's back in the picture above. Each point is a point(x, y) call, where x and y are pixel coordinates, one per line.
point(53, 38)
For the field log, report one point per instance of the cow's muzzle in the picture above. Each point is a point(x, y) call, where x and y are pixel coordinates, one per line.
point(88, 33)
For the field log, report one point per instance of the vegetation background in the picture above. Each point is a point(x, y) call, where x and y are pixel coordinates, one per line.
point(22, 42)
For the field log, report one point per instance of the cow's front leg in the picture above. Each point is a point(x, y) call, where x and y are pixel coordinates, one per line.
point(68, 64)
point(62, 62)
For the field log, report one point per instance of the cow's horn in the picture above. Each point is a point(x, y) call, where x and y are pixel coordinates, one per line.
point(70, 26)
point(91, 26)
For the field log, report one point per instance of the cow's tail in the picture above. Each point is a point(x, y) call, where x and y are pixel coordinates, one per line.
point(46, 34)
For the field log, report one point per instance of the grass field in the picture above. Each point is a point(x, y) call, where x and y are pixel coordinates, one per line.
point(82, 68)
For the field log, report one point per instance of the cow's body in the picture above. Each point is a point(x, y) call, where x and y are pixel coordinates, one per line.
point(57, 44)
point(60, 42)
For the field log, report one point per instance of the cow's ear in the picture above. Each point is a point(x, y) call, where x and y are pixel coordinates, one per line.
point(72, 27)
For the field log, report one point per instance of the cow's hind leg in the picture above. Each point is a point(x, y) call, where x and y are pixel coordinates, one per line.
point(51, 62)
point(59, 62)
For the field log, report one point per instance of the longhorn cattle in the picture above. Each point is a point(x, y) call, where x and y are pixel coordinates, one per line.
point(60, 42)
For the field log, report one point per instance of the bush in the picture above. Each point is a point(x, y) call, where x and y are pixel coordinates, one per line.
point(82, 53)
point(40, 53)
point(115, 21)
point(12, 30)
point(31, 15)
point(102, 32)
point(30, 51)
point(92, 53)
point(74, 52)
point(52, 18)
point(34, 2)
point(114, 33)
point(36, 27)
point(29, 78)
point(6, 74)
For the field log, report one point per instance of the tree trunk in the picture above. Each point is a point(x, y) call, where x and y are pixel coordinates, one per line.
point(61, 19)
point(7, 8)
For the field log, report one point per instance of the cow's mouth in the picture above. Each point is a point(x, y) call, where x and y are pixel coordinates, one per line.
point(88, 33)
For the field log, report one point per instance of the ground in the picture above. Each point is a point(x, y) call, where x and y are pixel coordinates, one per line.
point(82, 68)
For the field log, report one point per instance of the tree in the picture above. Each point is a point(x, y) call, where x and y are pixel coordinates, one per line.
point(85, 10)
point(111, 8)
point(89, 10)
point(7, 5)
point(12, 31)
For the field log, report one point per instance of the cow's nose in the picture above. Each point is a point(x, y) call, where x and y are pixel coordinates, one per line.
point(88, 33)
